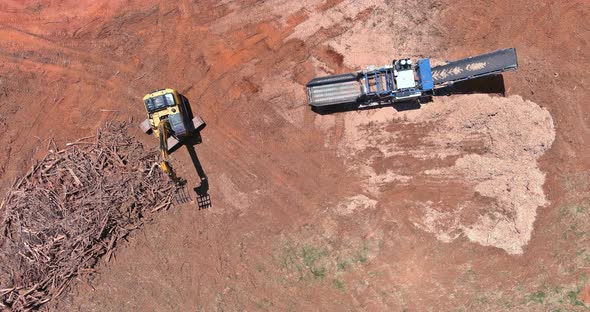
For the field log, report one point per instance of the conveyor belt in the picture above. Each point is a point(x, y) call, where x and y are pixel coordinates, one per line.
point(476, 66)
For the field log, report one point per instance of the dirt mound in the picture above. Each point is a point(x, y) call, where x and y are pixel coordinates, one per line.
point(70, 210)
point(467, 139)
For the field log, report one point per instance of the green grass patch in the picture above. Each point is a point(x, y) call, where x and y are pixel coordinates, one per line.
point(338, 284)
point(537, 297)
point(581, 209)
point(573, 298)
point(308, 262)
point(361, 256)
point(319, 272)
point(311, 256)
point(341, 264)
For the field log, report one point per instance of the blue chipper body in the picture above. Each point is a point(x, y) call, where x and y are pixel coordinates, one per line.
point(403, 80)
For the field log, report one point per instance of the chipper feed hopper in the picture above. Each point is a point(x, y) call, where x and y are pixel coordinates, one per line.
point(403, 80)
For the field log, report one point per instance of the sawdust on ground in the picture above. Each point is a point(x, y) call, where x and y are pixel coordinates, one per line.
point(510, 134)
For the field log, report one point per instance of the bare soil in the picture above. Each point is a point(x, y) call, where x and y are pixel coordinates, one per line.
point(471, 202)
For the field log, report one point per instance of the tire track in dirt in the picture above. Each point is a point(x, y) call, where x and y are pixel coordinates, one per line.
point(48, 46)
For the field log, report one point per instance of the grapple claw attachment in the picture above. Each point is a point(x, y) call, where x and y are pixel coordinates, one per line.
point(181, 196)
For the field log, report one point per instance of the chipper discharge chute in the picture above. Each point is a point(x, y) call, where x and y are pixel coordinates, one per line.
point(403, 80)
point(169, 121)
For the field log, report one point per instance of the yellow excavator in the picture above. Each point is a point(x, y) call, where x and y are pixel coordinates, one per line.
point(169, 119)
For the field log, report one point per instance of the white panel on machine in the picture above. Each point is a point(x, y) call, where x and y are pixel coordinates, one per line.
point(405, 79)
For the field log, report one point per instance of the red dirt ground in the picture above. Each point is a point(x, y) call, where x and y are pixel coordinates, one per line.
point(273, 240)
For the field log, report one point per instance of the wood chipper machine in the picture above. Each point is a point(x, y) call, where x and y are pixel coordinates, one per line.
point(403, 80)
point(169, 119)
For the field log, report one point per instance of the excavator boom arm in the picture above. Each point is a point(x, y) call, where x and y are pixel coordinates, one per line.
point(164, 164)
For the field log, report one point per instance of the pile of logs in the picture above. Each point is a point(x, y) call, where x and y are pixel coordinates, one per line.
point(70, 210)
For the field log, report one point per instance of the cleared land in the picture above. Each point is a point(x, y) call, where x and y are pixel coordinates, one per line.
point(471, 202)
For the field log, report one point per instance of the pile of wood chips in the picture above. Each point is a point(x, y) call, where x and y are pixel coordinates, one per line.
point(70, 210)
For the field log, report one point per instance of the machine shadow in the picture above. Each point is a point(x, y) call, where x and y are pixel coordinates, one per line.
point(493, 84)
point(398, 106)
point(201, 190)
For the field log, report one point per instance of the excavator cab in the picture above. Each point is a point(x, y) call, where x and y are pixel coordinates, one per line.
point(167, 105)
